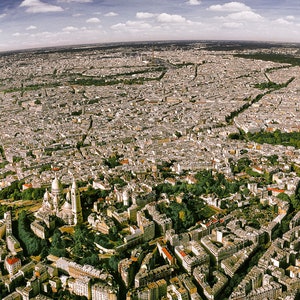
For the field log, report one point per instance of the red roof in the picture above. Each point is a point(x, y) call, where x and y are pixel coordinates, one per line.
point(12, 260)
point(275, 190)
point(166, 252)
point(182, 253)
point(28, 185)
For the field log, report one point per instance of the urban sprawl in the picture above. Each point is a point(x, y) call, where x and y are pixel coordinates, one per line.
point(150, 171)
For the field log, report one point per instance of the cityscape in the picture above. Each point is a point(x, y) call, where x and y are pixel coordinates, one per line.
point(150, 170)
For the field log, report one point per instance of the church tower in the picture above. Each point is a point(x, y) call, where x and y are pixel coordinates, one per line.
point(76, 204)
point(56, 192)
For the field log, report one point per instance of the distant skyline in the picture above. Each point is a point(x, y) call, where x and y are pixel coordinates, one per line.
point(42, 23)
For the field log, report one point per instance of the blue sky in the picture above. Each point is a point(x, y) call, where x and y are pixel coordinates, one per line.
point(40, 23)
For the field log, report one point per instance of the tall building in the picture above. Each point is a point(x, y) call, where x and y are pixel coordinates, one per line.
point(76, 204)
point(12, 264)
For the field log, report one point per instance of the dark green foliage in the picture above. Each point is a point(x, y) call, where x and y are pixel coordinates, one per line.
point(181, 216)
point(45, 167)
point(112, 161)
point(3, 164)
point(245, 106)
point(103, 241)
point(77, 113)
point(295, 199)
point(91, 195)
point(113, 263)
point(12, 191)
point(32, 87)
point(275, 57)
point(30, 154)
point(276, 138)
point(235, 136)
point(117, 181)
point(83, 247)
point(33, 194)
point(117, 78)
point(3, 209)
point(207, 183)
point(2, 153)
point(17, 159)
point(273, 85)
point(296, 169)
point(241, 165)
point(90, 258)
point(7, 173)
point(273, 159)
point(32, 244)
point(58, 244)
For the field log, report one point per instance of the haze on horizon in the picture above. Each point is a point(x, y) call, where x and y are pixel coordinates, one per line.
point(45, 23)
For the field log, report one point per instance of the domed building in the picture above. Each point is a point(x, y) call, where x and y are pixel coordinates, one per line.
point(68, 209)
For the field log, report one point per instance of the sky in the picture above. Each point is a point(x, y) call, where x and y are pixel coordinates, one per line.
point(45, 23)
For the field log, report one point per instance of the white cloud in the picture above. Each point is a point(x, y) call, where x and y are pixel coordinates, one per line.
point(245, 15)
point(93, 20)
point(2, 16)
point(76, 15)
point(282, 21)
point(37, 6)
point(70, 29)
point(16, 34)
point(31, 27)
point(144, 15)
point(0, 30)
point(166, 18)
point(138, 25)
point(230, 6)
point(194, 2)
point(111, 14)
point(290, 18)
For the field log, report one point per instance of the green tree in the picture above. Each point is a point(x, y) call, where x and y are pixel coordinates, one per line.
point(58, 245)
point(32, 244)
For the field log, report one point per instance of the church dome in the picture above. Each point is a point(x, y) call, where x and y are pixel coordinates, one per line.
point(67, 206)
point(55, 184)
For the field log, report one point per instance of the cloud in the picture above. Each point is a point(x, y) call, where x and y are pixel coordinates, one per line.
point(282, 21)
point(166, 18)
point(31, 27)
point(111, 14)
point(194, 2)
point(144, 15)
point(290, 18)
point(230, 6)
point(132, 27)
point(2, 16)
point(37, 6)
point(245, 15)
point(70, 29)
point(93, 20)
